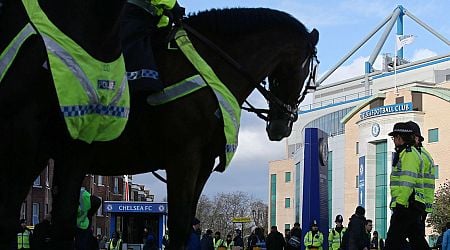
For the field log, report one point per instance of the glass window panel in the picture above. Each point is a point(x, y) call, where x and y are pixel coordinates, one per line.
point(433, 135)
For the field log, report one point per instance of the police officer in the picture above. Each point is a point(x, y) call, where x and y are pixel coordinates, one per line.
point(428, 169)
point(406, 184)
point(314, 238)
point(23, 236)
point(139, 22)
point(336, 234)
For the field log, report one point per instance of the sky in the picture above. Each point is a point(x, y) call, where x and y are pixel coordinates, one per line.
point(341, 25)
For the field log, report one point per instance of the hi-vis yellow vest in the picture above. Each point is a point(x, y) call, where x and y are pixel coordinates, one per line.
point(93, 95)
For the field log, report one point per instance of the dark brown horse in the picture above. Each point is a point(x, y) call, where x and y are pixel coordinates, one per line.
point(183, 137)
point(29, 108)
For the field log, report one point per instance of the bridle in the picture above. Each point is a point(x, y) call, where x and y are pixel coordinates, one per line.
point(292, 110)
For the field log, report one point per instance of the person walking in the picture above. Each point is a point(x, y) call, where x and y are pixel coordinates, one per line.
point(314, 238)
point(24, 236)
point(295, 238)
point(446, 238)
point(217, 240)
point(116, 242)
point(336, 234)
point(194, 238)
point(206, 242)
point(275, 240)
point(406, 184)
point(228, 242)
point(88, 206)
point(428, 174)
point(368, 226)
point(238, 241)
point(42, 234)
point(355, 236)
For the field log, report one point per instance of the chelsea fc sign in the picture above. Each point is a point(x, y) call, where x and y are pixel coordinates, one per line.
point(375, 129)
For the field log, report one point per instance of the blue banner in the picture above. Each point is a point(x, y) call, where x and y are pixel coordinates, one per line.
point(389, 109)
point(134, 207)
point(362, 181)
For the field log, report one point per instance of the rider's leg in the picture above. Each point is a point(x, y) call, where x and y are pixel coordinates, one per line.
point(137, 27)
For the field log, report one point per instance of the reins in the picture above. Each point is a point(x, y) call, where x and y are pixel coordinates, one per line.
point(267, 94)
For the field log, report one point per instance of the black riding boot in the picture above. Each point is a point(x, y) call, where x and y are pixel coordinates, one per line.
point(137, 27)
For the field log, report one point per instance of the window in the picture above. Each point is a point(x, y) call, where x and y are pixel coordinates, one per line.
point(116, 185)
point(287, 226)
point(287, 202)
point(287, 176)
point(447, 78)
point(433, 135)
point(377, 103)
point(47, 173)
point(35, 213)
point(100, 180)
point(400, 99)
point(357, 147)
point(273, 199)
point(417, 101)
point(381, 188)
point(356, 181)
point(46, 209)
point(37, 182)
point(100, 210)
point(436, 171)
point(23, 211)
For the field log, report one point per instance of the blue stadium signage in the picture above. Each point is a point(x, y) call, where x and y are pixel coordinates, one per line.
point(134, 207)
point(389, 109)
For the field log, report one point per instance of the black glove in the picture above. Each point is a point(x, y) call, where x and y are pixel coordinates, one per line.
point(178, 12)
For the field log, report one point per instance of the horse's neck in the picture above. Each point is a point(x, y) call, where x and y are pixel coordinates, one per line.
point(256, 59)
point(93, 24)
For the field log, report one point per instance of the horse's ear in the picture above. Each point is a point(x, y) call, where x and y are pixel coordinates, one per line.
point(314, 37)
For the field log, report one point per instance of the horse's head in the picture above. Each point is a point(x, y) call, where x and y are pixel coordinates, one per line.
point(287, 84)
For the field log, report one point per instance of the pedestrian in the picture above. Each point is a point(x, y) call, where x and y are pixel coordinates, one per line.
point(217, 240)
point(428, 174)
point(287, 234)
point(228, 243)
point(376, 242)
point(150, 240)
point(295, 239)
point(406, 185)
point(24, 236)
point(116, 242)
point(102, 244)
point(336, 234)
point(356, 235)
point(88, 206)
point(368, 227)
point(314, 238)
point(446, 238)
point(238, 241)
point(206, 242)
point(194, 238)
point(257, 239)
point(275, 240)
point(438, 244)
point(42, 234)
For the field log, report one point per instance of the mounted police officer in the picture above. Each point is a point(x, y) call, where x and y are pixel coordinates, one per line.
point(406, 184)
point(140, 21)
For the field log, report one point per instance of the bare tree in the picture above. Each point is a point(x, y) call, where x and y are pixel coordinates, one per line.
point(218, 212)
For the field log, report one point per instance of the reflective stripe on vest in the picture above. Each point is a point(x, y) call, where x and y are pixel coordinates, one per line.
point(117, 246)
point(229, 107)
point(428, 180)
point(406, 178)
point(83, 208)
point(335, 238)
point(93, 95)
point(23, 240)
point(9, 54)
point(177, 90)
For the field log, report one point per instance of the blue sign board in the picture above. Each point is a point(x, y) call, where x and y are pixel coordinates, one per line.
point(389, 109)
point(362, 181)
point(134, 207)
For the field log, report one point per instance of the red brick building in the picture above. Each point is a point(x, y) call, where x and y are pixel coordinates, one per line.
point(108, 188)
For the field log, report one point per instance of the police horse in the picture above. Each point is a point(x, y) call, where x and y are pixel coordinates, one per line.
point(183, 136)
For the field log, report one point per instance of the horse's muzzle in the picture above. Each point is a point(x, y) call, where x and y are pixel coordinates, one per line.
point(279, 129)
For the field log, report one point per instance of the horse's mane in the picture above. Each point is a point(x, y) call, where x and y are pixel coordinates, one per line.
point(242, 20)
